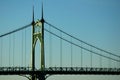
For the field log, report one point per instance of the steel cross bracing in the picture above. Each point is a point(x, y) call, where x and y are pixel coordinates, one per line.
point(59, 70)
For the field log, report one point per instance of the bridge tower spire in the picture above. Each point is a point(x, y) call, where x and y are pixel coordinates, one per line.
point(38, 34)
point(42, 42)
point(33, 49)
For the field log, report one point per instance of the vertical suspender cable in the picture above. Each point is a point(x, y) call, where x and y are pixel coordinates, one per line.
point(109, 62)
point(117, 66)
point(13, 47)
point(22, 47)
point(91, 57)
point(119, 63)
point(25, 48)
point(81, 56)
point(1, 51)
point(116, 63)
point(101, 59)
point(9, 48)
point(71, 53)
point(20, 50)
point(60, 49)
point(50, 47)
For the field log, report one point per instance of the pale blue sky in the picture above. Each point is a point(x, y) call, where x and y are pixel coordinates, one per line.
point(94, 21)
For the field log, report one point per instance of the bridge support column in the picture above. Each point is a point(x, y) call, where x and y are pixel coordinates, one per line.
point(41, 77)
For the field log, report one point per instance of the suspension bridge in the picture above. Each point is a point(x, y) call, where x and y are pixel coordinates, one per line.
point(65, 54)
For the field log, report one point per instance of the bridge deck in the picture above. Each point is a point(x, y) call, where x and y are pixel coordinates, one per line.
point(60, 70)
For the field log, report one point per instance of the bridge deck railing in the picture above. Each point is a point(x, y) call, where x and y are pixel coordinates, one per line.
point(60, 69)
point(80, 69)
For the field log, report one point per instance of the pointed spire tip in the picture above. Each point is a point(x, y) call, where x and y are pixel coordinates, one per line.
point(33, 15)
point(42, 12)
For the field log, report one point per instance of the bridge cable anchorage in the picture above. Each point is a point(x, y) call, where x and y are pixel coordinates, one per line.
point(81, 40)
point(81, 46)
point(60, 49)
point(16, 30)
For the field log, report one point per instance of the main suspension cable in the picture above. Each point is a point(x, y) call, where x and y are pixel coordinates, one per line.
point(16, 30)
point(81, 40)
point(81, 46)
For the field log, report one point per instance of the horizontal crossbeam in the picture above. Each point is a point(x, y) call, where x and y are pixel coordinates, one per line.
point(59, 71)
